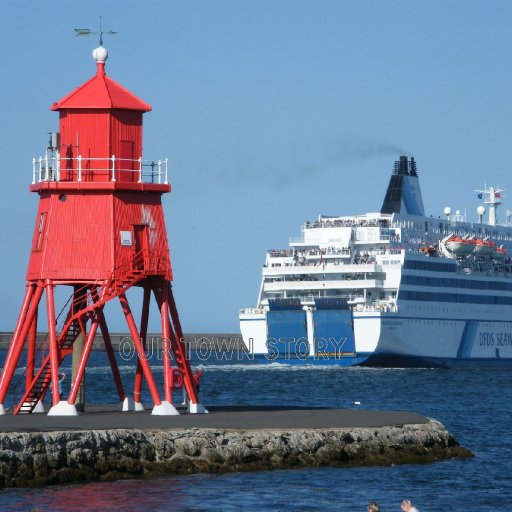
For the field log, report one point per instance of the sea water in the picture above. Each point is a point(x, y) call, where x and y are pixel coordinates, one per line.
point(475, 406)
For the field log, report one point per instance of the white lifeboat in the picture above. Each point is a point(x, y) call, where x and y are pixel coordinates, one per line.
point(485, 248)
point(460, 246)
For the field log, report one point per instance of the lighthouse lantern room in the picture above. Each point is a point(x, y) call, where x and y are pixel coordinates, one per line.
point(99, 231)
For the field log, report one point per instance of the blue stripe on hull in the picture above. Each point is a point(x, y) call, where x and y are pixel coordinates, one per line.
point(389, 361)
point(467, 340)
point(396, 361)
point(320, 361)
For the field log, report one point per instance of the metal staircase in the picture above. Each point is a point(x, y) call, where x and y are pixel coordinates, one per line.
point(84, 305)
point(42, 379)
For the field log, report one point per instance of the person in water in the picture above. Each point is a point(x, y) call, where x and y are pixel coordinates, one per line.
point(373, 507)
point(407, 506)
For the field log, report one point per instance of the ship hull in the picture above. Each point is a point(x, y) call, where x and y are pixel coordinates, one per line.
point(388, 340)
point(395, 288)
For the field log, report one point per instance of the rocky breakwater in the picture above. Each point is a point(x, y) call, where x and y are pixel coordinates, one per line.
point(40, 458)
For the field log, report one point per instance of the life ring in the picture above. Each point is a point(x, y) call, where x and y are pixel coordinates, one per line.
point(176, 378)
point(196, 376)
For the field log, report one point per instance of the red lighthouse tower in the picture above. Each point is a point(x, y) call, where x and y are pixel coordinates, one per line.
point(99, 231)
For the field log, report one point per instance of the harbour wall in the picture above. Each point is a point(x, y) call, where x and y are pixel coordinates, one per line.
point(42, 458)
point(218, 341)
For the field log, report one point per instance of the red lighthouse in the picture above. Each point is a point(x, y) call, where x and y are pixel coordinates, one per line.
point(99, 231)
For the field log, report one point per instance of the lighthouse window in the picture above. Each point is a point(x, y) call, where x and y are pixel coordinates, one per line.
point(38, 235)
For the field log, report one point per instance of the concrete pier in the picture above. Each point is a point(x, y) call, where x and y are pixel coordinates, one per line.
point(104, 444)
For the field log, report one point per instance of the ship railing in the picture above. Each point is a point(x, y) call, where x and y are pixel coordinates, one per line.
point(373, 239)
point(252, 311)
point(324, 263)
point(351, 223)
point(330, 252)
point(280, 253)
point(380, 308)
point(56, 168)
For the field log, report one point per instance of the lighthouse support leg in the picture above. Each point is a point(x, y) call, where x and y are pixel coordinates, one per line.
point(58, 408)
point(80, 369)
point(31, 356)
point(180, 352)
point(76, 356)
point(137, 386)
point(54, 351)
point(112, 359)
point(163, 303)
point(160, 408)
point(79, 302)
point(31, 352)
point(28, 310)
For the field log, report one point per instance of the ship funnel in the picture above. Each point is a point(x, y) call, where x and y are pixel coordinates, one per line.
point(403, 194)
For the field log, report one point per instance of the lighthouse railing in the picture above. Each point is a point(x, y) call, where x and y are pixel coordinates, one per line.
point(113, 168)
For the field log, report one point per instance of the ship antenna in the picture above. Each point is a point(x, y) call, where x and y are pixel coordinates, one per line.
point(88, 32)
point(493, 199)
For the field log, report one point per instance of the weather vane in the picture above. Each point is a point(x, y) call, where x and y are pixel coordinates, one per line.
point(89, 32)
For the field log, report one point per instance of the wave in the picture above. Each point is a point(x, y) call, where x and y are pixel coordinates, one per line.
point(283, 367)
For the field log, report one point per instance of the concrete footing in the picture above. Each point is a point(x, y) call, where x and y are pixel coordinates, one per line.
point(39, 408)
point(197, 409)
point(165, 409)
point(63, 409)
point(127, 405)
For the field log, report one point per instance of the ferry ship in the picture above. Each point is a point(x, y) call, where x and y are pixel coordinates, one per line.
point(395, 288)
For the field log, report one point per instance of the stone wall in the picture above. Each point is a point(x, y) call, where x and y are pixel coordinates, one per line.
point(32, 459)
point(222, 341)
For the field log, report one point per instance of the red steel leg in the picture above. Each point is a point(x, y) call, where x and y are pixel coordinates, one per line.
point(111, 356)
point(31, 353)
point(137, 386)
point(140, 349)
point(163, 303)
point(179, 347)
point(28, 310)
point(54, 350)
point(75, 386)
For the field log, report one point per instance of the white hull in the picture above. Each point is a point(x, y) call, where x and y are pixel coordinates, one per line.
point(403, 340)
point(396, 288)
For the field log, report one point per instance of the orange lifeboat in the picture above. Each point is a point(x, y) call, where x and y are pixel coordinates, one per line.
point(501, 253)
point(460, 246)
point(485, 247)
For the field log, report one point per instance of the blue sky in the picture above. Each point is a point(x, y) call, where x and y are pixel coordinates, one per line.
point(270, 112)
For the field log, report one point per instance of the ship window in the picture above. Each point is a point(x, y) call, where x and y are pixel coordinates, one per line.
point(455, 298)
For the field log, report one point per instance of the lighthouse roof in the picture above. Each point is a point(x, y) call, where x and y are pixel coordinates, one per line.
point(101, 92)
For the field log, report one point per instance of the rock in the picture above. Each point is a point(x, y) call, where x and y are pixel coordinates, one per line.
point(32, 459)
